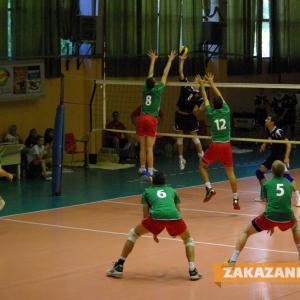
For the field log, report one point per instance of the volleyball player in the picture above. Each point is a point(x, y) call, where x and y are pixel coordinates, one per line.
point(278, 213)
point(220, 148)
point(278, 152)
point(9, 177)
point(188, 105)
point(161, 210)
point(146, 124)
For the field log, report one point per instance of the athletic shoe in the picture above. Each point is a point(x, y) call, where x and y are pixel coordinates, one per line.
point(182, 163)
point(147, 176)
point(194, 275)
point(141, 171)
point(209, 193)
point(2, 203)
point(258, 199)
point(115, 271)
point(236, 204)
point(230, 263)
point(298, 202)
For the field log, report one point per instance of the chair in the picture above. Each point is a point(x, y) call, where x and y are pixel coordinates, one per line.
point(71, 146)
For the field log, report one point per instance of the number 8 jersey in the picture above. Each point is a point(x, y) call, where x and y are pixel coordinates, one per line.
point(151, 99)
point(219, 121)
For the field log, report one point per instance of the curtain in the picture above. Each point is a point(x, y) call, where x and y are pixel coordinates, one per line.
point(35, 33)
point(133, 26)
point(3, 29)
point(37, 27)
point(192, 35)
point(121, 36)
point(285, 36)
point(169, 25)
point(69, 9)
point(244, 17)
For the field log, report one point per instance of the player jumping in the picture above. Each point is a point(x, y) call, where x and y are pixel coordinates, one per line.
point(220, 148)
point(189, 105)
point(146, 123)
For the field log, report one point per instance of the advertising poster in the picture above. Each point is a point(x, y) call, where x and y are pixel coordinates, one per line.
point(6, 75)
point(33, 79)
point(20, 76)
point(21, 80)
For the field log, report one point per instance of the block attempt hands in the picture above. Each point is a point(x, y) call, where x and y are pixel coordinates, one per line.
point(152, 54)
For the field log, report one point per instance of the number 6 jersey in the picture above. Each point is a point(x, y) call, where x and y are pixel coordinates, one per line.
point(162, 200)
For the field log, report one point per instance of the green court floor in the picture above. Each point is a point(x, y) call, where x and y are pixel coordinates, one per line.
point(83, 186)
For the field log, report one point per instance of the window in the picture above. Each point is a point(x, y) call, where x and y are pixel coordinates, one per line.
point(157, 22)
point(87, 8)
point(265, 34)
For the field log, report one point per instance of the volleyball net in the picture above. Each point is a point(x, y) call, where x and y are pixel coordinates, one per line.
point(250, 103)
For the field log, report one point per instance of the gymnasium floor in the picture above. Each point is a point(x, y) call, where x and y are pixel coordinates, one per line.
point(60, 248)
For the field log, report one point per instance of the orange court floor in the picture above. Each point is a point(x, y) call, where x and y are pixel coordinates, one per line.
point(63, 253)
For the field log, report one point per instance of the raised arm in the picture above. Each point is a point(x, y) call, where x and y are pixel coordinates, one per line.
point(210, 79)
point(182, 59)
point(153, 57)
point(287, 153)
point(201, 81)
point(171, 56)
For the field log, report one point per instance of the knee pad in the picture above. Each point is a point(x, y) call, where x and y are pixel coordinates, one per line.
point(180, 141)
point(288, 177)
point(196, 140)
point(260, 175)
point(189, 242)
point(132, 236)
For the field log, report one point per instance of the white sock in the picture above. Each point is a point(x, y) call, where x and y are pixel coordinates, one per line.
point(122, 258)
point(150, 170)
point(235, 255)
point(297, 194)
point(192, 265)
point(180, 157)
point(143, 168)
point(298, 247)
point(200, 154)
point(235, 196)
point(208, 184)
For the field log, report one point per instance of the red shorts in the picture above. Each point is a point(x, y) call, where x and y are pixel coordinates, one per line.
point(146, 125)
point(174, 227)
point(261, 223)
point(221, 152)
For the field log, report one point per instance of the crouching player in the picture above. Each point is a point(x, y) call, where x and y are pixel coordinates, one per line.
point(278, 193)
point(161, 210)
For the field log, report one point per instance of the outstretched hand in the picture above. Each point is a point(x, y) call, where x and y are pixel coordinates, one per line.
point(152, 54)
point(209, 77)
point(199, 79)
point(172, 55)
point(183, 57)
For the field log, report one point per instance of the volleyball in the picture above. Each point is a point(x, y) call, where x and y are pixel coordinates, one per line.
point(183, 50)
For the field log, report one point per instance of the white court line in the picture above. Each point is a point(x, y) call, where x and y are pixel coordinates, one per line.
point(190, 209)
point(129, 203)
point(144, 236)
point(122, 197)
